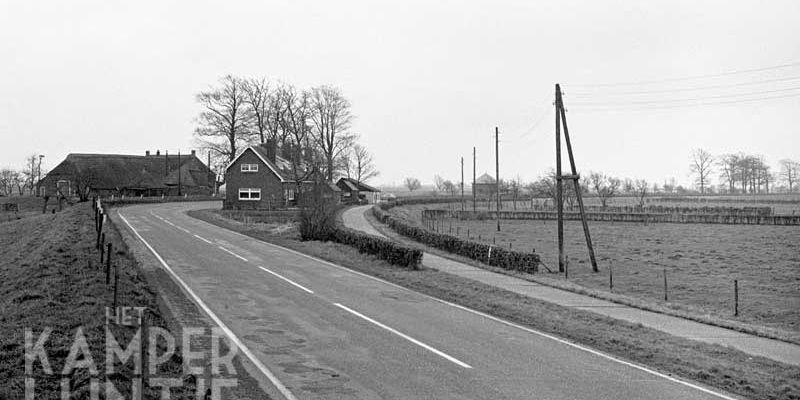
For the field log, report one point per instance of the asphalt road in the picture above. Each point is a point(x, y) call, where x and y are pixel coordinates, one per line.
point(319, 331)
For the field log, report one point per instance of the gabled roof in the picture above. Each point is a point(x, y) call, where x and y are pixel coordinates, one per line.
point(282, 168)
point(485, 179)
point(135, 172)
point(354, 185)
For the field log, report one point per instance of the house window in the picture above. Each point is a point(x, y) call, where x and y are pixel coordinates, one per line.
point(250, 194)
point(290, 194)
point(249, 167)
point(63, 186)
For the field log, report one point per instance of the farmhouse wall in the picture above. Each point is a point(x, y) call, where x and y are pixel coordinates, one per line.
point(270, 185)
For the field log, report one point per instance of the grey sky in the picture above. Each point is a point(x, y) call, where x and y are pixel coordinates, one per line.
point(427, 80)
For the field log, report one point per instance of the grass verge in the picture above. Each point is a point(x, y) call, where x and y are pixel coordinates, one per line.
point(712, 365)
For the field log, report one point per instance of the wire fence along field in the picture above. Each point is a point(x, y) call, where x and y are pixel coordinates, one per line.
point(701, 261)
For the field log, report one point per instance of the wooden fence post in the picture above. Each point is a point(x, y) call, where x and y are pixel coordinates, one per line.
point(735, 297)
point(108, 263)
point(102, 244)
point(666, 297)
point(611, 276)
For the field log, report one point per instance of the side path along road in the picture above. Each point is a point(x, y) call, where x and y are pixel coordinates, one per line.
point(319, 331)
point(777, 350)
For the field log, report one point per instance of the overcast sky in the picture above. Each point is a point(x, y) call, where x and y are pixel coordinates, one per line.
point(428, 80)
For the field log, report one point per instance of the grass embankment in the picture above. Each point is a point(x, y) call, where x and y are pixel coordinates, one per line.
point(27, 206)
point(701, 262)
point(712, 365)
point(50, 277)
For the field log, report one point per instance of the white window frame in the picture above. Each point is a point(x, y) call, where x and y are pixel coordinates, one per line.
point(250, 192)
point(60, 183)
point(249, 168)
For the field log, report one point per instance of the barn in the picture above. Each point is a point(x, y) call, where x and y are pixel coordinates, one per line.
point(129, 175)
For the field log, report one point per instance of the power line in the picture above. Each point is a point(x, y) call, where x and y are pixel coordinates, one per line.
point(648, 82)
point(583, 94)
point(597, 109)
point(722, 96)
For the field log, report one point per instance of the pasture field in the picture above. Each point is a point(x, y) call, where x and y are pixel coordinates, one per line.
point(701, 262)
point(28, 206)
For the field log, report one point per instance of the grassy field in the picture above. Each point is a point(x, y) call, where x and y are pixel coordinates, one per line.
point(701, 262)
point(716, 366)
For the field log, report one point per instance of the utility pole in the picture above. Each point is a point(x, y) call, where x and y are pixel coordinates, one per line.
point(497, 171)
point(561, 117)
point(462, 184)
point(39, 179)
point(473, 179)
point(179, 172)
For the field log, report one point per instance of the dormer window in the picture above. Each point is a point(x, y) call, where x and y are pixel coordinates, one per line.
point(249, 167)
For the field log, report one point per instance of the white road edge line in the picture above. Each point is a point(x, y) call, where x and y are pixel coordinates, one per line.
point(288, 280)
point(202, 238)
point(232, 253)
point(502, 321)
point(406, 337)
point(263, 368)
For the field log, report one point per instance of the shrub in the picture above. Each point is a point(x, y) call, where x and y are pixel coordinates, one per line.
point(492, 255)
point(317, 215)
point(385, 249)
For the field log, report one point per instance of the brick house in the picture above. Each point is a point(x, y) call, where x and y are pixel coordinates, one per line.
point(260, 179)
point(129, 175)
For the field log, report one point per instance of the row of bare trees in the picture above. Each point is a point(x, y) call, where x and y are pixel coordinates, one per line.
point(23, 181)
point(602, 186)
point(742, 173)
point(309, 126)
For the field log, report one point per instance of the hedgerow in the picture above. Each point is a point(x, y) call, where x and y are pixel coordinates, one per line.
point(492, 255)
point(385, 249)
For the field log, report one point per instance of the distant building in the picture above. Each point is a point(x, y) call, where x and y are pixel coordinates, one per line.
point(354, 192)
point(129, 175)
point(260, 179)
point(485, 186)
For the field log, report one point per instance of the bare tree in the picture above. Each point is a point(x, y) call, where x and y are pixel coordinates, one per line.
point(701, 165)
point(363, 164)
point(640, 188)
point(450, 187)
point(259, 105)
point(515, 186)
point(438, 183)
point(224, 123)
point(628, 186)
point(789, 172)
point(605, 186)
point(412, 184)
point(8, 180)
point(728, 165)
point(330, 115)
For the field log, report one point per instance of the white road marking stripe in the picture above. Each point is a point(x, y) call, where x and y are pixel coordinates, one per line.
point(482, 314)
point(404, 336)
point(170, 223)
point(203, 239)
point(232, 253)
point(263, 368)
point(288, 280)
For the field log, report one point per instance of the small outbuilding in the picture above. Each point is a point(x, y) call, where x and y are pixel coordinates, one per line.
point(355, 192)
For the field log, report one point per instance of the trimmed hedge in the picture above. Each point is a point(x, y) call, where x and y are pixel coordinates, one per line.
point(492, 255)
point(385, 249)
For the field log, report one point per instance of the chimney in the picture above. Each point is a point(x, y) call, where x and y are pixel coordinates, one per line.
point(158, 152)
point(193, 153)
point(269, 146)
point(147, 153)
